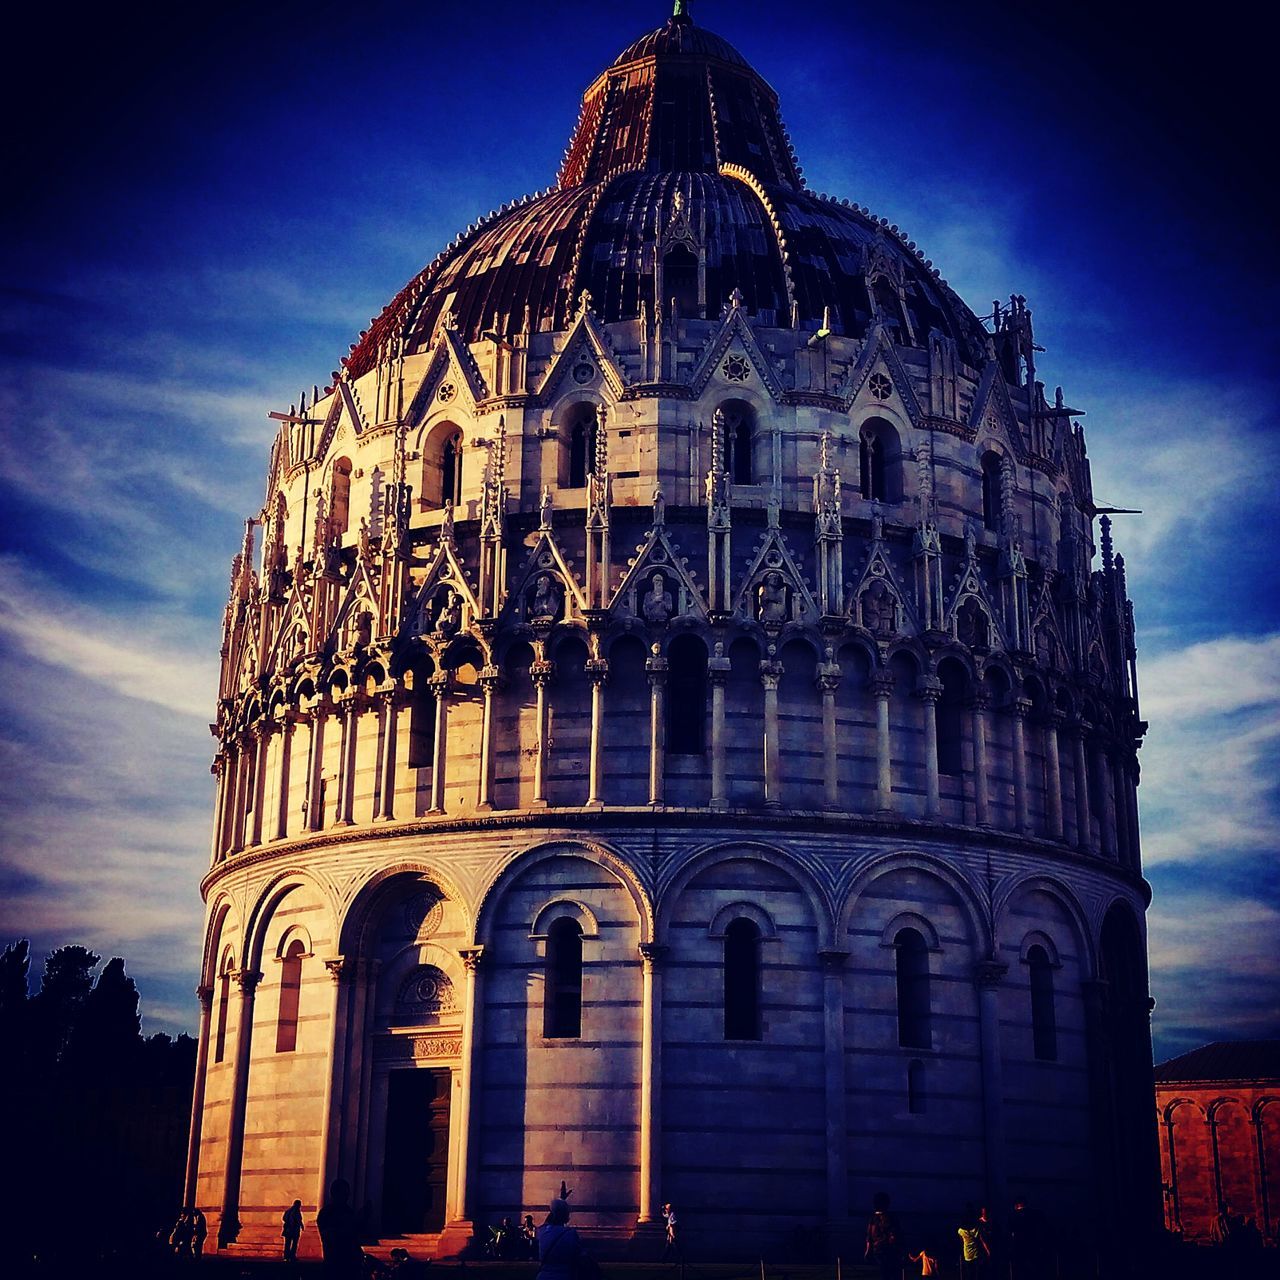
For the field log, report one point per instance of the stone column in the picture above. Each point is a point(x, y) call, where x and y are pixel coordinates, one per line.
point(350, 713)
point(650, 1197)
point(240, 801)
point(981, 789)
point(828, 681)
point(247, 984)
point(386, 806)
point(837, 1138)
point(190, 1182)
point(541, 672)
point(881, 684)
point(261, 733)
point(463, 1209)
point(1053, 769)
point(1084, 837)
point(287, 722)
point(315, 784)
point(489, 678)
point(656, 666)
point(1260, 1152)
point(333, 1114)
point(598, 674)
point(439, 686)
point(219, 771)
point(770, 674)
point(718, 674)
point(1106, 814)
point(1018, 709)
point(929, 691)
point(987, 976)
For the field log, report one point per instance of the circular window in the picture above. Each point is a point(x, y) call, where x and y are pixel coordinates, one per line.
point(880, 386)
point(736, 368)
point(446, 393)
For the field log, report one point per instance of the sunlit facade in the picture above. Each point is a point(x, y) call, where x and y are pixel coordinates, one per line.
point(677, 733)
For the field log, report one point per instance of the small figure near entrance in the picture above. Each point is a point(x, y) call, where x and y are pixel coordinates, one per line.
point(292, 1224)
point(974, 1251)
point(180, 1236)
point(340, 1234)
point(672, 1246)
point(884, 1240)
point(529, 1234)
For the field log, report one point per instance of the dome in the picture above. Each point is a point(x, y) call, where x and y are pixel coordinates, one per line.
point(678, 128)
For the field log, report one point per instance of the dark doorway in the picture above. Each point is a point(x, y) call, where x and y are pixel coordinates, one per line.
point(417, 1161)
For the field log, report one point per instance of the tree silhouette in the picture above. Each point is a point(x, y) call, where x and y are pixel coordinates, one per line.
point(106, 1040)
point(67, 980)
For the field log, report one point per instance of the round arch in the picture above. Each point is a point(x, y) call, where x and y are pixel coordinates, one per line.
point(363, 907)
point(1038, 882)
point(272, 894)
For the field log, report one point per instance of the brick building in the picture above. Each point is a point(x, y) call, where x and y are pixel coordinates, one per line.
point(1219, 1115)
point(677, 731)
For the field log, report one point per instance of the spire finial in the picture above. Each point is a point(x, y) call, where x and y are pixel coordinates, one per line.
point(681, 12)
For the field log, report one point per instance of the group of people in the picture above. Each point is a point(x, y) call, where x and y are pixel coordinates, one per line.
point(1235, 1232)
point(511, 1241)
point(982, 1252)
point(187, 1238)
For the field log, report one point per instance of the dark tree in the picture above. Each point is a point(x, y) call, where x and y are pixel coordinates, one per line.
point(67, 980)
point(106, 1038)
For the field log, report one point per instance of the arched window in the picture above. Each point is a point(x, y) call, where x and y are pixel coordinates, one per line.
point(878, 459)
point(949, 719)
point(224, 1006)
point(742, 980)
point(680, 281)
point(582, 446)
point(913, 990)
point(991, 492)
point(562, 1007)
point(739, 437)
point(340, 498)
point(686, 702)
point(1044, 1026)
point(915, 1087)
point(451, 470)
point(290, 991)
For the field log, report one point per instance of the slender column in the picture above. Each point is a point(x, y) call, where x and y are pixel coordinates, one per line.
point(333, 1115)
point(929, 691)
point(1053, 768)
point(219, 771)
point(247, 984)
point(656, 666)
point(350, 713)
point(261, 733)
point(981, 786)
point(1018, 709)
point(770, 674)
point(386, 808)
point(1106, 815)
point(468, 1090)
point(1260, 1148)
point(489, 684)
point(832, 962)
point(650, 1080)
point(240, 803)
point(190, 1181)
point(881, 684)
point(439, 686)
point(315, 785)
point(1084, 837)
point(718, 674)
point(541, 672)
point(987, 977)
point(828, 682)
point(287, 722)
point(1173, 1214)
point(598, 674)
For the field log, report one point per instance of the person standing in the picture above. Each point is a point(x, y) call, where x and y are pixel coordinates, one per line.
point(669, 1219)
point(559, 1249)
point(340, 1234)
point(884, 1240)
point(292, 1230)
point(973, 1248)
point(199, 1232)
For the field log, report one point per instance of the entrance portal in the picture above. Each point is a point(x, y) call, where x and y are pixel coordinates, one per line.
point(415, 1171)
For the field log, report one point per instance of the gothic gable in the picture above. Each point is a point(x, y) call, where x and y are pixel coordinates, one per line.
point(731, 353)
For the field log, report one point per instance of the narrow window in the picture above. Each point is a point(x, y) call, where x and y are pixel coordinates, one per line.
point(991, 496)
point(451, 470)
point(290, 991)
point(949, 722)
point(1044, 1026)
point(742, 980)
point(913, 990)
point(422, 723)
point(915, 1087)
point(680, 281)
point(562, 1009)
point(686, 703)
point(739, 436)
point(340, 498)
point(224, 1004)
point(582, 448)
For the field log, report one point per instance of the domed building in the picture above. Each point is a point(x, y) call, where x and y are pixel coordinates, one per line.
point(677, 734)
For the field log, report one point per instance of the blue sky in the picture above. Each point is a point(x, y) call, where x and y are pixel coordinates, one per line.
point(205, 208)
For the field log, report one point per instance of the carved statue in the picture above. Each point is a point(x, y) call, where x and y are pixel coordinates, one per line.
point(449, 619)
point(879, 610)
point(657, 607)
point(771, 599)
point(547, 598)
point(659, 507)
point(971, 625)
point(545, 507)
